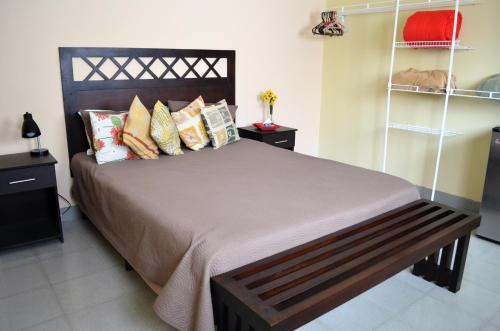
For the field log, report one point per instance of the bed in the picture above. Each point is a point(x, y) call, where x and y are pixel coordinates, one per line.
point(179, 221)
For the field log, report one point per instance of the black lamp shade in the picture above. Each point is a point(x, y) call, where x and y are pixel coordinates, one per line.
point(30, 128)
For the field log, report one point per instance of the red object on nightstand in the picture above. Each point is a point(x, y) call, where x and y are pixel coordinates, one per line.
point(261, 126)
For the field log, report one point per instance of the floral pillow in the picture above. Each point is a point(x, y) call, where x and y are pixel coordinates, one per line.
point(85, 116)
point(108, 143)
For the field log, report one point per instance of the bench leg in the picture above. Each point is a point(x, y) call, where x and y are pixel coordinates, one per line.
point(459, 264)
point(437, 266)
point(226, 319)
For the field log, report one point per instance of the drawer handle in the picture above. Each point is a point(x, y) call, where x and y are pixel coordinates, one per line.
point(22, 181)
point(281, 141)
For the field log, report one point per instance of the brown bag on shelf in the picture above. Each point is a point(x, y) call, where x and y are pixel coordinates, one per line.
point(428, 80)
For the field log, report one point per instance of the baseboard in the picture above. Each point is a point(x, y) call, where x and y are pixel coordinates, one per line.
point(451, 200)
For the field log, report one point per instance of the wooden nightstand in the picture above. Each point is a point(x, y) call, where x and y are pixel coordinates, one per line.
point(29, 205)
point(282, 137)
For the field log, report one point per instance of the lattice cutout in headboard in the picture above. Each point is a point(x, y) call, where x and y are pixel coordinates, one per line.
point(143, 68)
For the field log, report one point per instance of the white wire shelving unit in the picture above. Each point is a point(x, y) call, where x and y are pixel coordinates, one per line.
point(452, 46)
point(432, 45)
point(387, 6)
point(396, 6)
point(475, 94)
point(422, 129)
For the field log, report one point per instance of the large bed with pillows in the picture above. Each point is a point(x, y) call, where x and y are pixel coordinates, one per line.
point(159, 169)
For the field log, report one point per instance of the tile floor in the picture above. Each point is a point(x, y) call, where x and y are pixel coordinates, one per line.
point(82, 285)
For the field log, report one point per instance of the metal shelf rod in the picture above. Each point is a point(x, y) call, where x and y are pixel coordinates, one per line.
point(390, 6)
point(389, 84)
point(446, 101)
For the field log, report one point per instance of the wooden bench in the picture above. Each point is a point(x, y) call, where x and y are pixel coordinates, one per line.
point(292, 288)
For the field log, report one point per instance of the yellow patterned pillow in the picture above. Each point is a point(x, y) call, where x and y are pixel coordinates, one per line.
point(190, 125)
point(164, 131)
point(136, 131)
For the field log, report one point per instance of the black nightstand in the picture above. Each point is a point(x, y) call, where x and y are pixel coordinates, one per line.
point(282, 137)
point(29, 205)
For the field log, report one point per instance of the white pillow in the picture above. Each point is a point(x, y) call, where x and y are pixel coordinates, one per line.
point(108, 137)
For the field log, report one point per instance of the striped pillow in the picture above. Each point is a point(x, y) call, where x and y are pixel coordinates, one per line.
point(136, 131)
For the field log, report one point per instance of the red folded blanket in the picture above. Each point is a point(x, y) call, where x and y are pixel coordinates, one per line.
point(431, 25)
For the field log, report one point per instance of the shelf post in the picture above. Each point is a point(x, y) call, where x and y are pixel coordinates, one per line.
point(446, 101)
point(389, 87)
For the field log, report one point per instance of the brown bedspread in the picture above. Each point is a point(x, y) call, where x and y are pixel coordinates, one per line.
point(180, 220)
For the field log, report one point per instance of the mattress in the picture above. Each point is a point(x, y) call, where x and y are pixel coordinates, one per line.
point(181, 220)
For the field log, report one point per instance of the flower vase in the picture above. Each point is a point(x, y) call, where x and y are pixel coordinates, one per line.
point(271, 113)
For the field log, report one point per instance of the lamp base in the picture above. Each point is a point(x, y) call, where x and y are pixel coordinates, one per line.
point(39, 152)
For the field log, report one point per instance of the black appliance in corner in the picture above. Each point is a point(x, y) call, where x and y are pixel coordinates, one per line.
point(490, 206)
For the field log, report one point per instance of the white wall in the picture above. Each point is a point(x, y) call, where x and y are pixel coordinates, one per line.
point(272, 40)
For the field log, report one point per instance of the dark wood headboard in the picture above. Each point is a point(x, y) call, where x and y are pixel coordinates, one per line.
point(109, 78)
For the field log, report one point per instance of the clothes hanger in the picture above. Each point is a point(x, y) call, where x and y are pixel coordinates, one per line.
point(330, 25)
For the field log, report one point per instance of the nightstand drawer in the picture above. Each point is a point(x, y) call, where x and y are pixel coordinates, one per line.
point(27, 179)
point(283, 140)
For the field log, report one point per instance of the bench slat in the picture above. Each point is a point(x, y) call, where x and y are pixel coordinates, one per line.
point(367, 257)
point(340, 242)
point(267, 263)
point(293, 287)
point(341, 251)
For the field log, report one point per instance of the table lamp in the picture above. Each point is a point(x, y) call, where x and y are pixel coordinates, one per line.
point(31, 130)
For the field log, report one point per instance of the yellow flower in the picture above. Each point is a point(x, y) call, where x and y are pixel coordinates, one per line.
point(269, 96)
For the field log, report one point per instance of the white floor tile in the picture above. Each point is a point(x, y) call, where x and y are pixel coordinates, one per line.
point(484, 274)
point(491, 254)
point(74, 241)
point(496, 319)
point(395, 325)
point(4, 318)
point(57, 324)
point(471, 298)
point(30, 308)
point(16, 257)
point(144, 301)
point(74, 294)
point(359, 313)
point(340, 325)
point(417, 282)
point(22, 278)
point(479, 246)
point(429, 314)
point(490, 327)
point(315, 325)
point(394, 295)
point(126, 313)
point(109, 254)
point(69, 266)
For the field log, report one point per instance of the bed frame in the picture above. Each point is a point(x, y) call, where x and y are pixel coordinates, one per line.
point(291, 288)
point(109, 78)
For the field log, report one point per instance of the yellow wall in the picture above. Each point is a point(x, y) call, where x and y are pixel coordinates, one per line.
point(355, 76)
point(274, 48)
